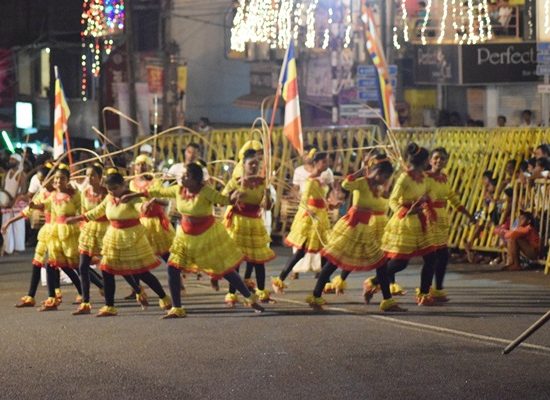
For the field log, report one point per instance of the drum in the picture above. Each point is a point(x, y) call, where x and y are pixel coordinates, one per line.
point(5, 199)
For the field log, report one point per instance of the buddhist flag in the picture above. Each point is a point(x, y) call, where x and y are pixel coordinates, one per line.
point(61, 118)
point(288, 84)
point(376, 52)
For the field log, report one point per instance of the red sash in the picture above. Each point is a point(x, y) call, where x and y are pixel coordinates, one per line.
point(439, 204)
point(124, 223)
point(196, 225)
point(426, 215)
point(356, 215)
point(102, 219)
point(61, 219)
point(157, 211)
point(244, 209)
point(47, 217)
point(317, 203)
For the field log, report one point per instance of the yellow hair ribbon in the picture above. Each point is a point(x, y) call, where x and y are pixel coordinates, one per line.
point(144, 159)
point(312, 153)
point(63, 166)
point(111, 171)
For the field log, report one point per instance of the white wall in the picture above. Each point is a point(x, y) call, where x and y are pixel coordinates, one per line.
point(214, 82)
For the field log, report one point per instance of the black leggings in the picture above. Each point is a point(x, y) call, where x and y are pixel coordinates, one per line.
point(426, 274)
point(138, 279)
point(174, 282)
point(442, 260)
point(292, 261)
point(35, 281)
point(86, 275)
point(53, 279)
point(329, 268)
point(235, 280)
point(260, 274)
point(110, 286)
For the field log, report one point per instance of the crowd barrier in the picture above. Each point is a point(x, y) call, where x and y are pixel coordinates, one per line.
point(472, 151)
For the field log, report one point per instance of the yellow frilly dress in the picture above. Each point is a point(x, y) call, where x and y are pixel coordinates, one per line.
point(125, 248)
point(354, 242)
point(92, 232)
point(244, 223)
point(441, 193)
point(44, 234)
point(201, 243)
point(63, 240)
point(409, 235)
point(160, 231)
point(311, 223)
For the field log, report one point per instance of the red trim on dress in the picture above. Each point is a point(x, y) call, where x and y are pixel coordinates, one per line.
point(37, 263)
point(438, 177)
point(106, 268)
point(350, 267)
point(415, 175)
point(248, 259)
point(55, 264)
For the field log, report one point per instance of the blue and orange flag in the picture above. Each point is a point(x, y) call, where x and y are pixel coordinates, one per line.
point(288, 85)
point(376, 52)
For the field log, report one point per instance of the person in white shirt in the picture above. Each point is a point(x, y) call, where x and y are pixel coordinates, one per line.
point(527, 119)
point(304, 171)
point(14, 238)
point(191, 155)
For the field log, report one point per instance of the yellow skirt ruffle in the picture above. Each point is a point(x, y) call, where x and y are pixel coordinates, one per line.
point(127, 251)
point(159, 238)
point(91, 237)
point(212, 252)
point(311, 231)
point(63, 246)
point(441, 228)
point(354, 248)
point(404, 238)
point(251, 237)
point(41, 249)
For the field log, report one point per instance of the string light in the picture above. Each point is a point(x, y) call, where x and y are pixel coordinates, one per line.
point(100, 19)
point(425, 22)
point(443, 25)
point(275, 22)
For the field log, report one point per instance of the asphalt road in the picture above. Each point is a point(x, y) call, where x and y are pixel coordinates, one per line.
point(349, 351)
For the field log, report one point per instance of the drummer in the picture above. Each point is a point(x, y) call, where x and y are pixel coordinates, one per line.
point(11, 204)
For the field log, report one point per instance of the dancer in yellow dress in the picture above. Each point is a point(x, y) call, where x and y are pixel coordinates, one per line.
point(64, 202)
point(201, 243)
point(353, 244)
point(125, 248)
point(245, 224)
point(91, 233)
point(160, 231)
point(310, 227)
point(40, 252)
point(409, 232)
point(441, 193)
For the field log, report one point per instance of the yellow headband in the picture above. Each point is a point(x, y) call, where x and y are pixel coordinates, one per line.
point(251, 144)
point(111, 171)
point(144, 159)
point(311, 153)
point(63, 166)
point(48, 164)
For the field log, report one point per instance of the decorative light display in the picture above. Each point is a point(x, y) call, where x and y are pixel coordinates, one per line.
point(470, 22)
point(101, 19)
point(275, 22)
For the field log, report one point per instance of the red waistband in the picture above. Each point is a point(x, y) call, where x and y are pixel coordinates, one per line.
point(426, 214)
point(102, 219)
point(47, 217)
point(157, 211)
point(318, 203)
point(124, 223)
point(439, 204)
point(61, 219)
point(196, 225)
point(244, 209)
point(356, 215)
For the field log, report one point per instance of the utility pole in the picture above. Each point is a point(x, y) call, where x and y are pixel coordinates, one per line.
point(131, 67)
point(169, 61)
point(336, 58)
